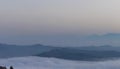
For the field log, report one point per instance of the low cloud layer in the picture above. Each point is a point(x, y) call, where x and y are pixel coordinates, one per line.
point(52, 63)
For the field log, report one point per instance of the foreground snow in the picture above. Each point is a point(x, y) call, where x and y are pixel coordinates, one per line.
point(52, 63)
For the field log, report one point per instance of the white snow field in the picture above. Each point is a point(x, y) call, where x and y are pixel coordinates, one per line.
point(53, 63)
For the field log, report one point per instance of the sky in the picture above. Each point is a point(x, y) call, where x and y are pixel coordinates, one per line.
point(38, 21)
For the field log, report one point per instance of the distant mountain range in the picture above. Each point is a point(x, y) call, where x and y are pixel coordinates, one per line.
point(79, 40)
point(7, 51)
point(82, 55)
point(107, 39)
point(89, 53)
point(106, 36)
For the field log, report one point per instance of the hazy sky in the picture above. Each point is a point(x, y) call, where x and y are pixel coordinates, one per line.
point(41, 18)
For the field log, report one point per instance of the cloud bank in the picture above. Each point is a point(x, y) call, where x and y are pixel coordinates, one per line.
point(52, 63)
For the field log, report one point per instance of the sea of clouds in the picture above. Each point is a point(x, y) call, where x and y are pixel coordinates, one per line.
point(53, 63)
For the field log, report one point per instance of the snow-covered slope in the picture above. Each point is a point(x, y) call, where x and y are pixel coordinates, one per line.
point(52, 63)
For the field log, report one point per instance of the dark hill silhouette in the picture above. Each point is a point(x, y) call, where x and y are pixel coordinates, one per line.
point(1, 67)
point(71, 53)
point(84, 55)
point(7, 51)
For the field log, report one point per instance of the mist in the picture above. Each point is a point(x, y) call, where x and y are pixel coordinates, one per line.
point(52, 63)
